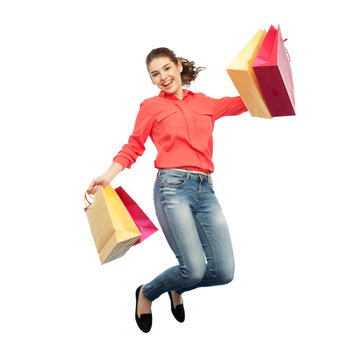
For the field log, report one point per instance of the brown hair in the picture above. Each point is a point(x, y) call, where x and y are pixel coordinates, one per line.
point(190, 71)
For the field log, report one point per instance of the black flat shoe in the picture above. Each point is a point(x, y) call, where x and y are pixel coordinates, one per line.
point(178, 312)
point(144, 322)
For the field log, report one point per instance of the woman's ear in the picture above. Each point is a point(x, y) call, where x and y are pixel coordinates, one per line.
point(179, 66)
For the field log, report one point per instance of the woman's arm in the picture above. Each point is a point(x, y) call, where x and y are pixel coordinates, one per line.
point(135, 146)
point(227, 106)
point(129, 152)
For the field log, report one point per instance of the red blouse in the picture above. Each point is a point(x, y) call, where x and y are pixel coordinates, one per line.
point(181, 130)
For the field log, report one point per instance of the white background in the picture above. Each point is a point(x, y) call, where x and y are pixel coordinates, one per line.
point(72, 77)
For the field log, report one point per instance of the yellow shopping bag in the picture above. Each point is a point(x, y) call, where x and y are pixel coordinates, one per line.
point(242, 75)
point(113, 229)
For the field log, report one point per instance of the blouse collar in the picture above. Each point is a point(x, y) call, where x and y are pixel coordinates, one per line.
point(165, 95)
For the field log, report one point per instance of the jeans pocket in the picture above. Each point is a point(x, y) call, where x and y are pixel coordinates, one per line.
point(173, 180)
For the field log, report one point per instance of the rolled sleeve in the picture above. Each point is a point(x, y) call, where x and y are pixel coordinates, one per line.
point(135, 146)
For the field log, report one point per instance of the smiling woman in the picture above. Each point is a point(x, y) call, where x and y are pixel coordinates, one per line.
point(180, 123)
point(166, 75)
point(165, 59)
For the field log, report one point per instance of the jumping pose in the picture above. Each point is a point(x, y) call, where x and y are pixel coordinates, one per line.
point(180, 124)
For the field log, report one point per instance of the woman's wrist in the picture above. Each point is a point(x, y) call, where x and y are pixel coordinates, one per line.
point(113, 170)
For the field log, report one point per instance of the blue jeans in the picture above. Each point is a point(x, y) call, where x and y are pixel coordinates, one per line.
point(196, 230)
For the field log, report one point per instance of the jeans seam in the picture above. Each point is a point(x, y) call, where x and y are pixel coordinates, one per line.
point(209, 242)
point(162, 197)
point(168, 219)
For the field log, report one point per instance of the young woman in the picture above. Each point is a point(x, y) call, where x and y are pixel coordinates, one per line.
point(180, 123)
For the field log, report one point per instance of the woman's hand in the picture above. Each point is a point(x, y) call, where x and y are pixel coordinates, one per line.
point(97, 183)
point(105, 180)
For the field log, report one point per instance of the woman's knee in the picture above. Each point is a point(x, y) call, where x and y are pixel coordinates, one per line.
point(225, 275)
point(194, 272)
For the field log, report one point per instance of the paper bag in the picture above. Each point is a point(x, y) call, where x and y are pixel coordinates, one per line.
point(113, 229)
point(242, 75)
point(141, 220)
point(273, 72)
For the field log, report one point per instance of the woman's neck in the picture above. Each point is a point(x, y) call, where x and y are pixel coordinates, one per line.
point(179, 93)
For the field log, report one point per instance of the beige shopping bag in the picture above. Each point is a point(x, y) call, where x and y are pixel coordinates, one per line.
point(242, 75)
point(113, 229)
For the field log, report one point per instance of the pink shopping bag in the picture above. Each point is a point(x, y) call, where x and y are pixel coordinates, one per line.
point(273, 72)
point(144, 224)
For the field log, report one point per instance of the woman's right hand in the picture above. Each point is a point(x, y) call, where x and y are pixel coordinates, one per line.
point(97, 183)
point(105, 180)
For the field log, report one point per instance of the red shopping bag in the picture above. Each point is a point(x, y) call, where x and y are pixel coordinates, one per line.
point(273, 72)
point(144, 224)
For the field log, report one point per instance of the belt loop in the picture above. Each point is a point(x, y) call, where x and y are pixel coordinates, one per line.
point(187, 175)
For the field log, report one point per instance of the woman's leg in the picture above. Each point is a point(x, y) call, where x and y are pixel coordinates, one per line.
point(215, 238)
point(175, 194)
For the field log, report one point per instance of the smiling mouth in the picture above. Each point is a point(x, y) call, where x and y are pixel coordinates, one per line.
point(167, 84)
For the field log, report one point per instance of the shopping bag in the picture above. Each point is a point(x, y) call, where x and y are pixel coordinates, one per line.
point(113, 229)
point(242, 75)
point(141, 220)
point(273, 72)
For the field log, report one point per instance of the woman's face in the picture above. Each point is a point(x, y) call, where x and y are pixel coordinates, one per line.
point(166, 75)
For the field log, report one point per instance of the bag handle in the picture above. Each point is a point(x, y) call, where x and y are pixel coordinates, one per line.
point(287, 53)
point(86, 200)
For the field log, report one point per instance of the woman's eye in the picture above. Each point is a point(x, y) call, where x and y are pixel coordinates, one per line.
point(168, 68)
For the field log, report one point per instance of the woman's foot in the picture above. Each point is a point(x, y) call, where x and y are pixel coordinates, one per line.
point(176, 298)
point(177, 307)
point(144, 305)
point(143, 314)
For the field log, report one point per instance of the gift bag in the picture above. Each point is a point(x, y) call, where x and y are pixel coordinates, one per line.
point(273, 72)
point(242, 75)
point(113, 229)
point(141, 220)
